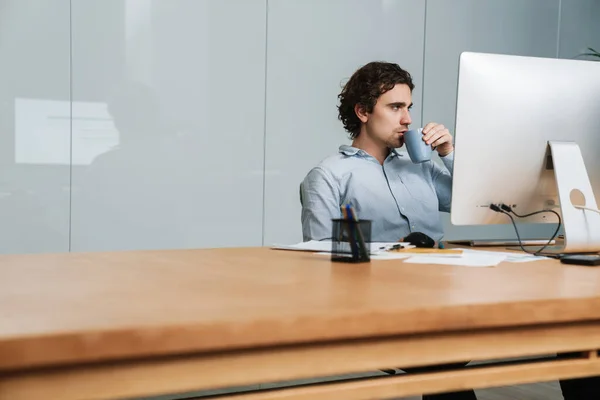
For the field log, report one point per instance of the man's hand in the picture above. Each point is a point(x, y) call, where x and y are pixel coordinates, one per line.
point(439, 137)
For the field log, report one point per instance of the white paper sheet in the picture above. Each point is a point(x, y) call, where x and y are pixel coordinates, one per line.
point(325, 246)
point(389, 255)
point(475, 258)
point(469, 257)
point(393, 255)
point(510, 256)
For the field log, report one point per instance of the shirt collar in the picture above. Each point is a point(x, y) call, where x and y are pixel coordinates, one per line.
point(353, 151)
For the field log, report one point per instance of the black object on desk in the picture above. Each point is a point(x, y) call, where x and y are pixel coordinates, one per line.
point(581, 259)
point(351, 240)
point(419, 239)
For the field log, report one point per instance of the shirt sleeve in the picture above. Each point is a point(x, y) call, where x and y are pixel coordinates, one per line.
point(442, 181)
point(320, 198)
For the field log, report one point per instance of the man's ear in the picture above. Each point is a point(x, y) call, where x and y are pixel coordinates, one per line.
point(361, 113)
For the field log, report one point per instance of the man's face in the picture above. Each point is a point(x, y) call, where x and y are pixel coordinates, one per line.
point(390, 117)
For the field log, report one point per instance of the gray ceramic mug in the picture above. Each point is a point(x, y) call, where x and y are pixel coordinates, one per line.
point(418, 150)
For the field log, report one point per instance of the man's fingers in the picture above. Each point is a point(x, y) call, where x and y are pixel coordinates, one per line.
point(428, 127)
point(435, 135)
point(439, 141)
point(432, 131)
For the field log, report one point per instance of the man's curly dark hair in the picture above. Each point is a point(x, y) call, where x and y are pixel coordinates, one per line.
point(364, 88)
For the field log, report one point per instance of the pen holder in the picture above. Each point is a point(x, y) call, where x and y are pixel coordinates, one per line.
point(351, 240)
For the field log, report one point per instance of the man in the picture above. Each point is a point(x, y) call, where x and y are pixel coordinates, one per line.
point(384, 186)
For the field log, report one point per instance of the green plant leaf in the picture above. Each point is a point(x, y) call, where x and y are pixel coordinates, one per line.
point(590, 53)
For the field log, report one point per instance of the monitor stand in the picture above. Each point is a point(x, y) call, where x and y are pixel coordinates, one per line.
point(581, 227)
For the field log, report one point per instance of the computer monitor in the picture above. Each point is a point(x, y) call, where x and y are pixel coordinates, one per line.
point(527, 135)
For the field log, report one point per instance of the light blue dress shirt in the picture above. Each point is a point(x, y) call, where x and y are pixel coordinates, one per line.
point(399, 197)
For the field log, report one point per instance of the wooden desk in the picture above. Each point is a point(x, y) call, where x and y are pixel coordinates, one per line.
point(125, 324)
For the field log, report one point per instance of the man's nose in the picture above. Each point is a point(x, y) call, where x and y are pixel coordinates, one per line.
point(406, 119)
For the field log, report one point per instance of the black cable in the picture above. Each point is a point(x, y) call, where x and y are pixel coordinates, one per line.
point(499, 210)
point(505, 209)
point(509, 209)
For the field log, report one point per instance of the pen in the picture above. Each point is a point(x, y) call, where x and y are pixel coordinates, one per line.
point(361, 239)
point(350, 220)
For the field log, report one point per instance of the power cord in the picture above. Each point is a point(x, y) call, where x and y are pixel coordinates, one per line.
point(587, 208)
point(507, 210)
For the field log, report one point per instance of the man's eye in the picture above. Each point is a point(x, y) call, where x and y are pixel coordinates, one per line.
point(395, 108)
